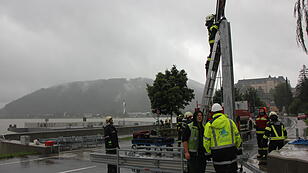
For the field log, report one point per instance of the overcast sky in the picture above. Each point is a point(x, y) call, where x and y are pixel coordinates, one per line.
point(49, 42)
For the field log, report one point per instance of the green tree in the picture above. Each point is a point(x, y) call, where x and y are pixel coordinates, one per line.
point(282, 95)
point(301, 15)
point(253, 98)
point(169, 92)
point(218, 96)
point(238, 95)
point(294, 106)
point(300, 102)
point(302, 89)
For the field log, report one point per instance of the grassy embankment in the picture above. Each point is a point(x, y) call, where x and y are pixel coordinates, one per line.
point(128, 138)
point(18, 154)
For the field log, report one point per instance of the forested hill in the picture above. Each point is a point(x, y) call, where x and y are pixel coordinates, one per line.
point(97, 97)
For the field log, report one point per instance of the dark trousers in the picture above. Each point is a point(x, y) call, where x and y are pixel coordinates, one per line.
point(221, 156)
point(111, 168)
point(262, 148)
point(216, 63)
point(230, 168)
point(196, 163)
point(275, 144)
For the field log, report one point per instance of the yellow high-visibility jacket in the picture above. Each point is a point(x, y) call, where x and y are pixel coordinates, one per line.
point(221, 132)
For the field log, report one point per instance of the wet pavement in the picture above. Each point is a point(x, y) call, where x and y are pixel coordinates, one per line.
point(65, 162)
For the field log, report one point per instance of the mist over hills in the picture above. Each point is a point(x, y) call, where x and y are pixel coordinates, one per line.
point(104, 96)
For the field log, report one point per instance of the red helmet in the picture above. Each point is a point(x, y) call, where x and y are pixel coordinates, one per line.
point(264, 108)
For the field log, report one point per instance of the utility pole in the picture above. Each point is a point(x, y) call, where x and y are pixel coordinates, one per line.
point(124, 112)
point(227, 68)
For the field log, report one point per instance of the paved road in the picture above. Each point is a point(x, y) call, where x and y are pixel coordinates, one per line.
point(65, 162)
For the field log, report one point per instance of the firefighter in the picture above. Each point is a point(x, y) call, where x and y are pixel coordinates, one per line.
point(275, 132)
point(188, 117)
point(261, 122)
point(192, 143)
point(180, 127)
point(222, 139)
point(212, 28)
point(167, 123)
point(111, 141)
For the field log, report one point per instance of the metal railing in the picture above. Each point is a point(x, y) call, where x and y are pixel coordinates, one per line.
point(75, 142)
point(159, 159)
point(149, 158)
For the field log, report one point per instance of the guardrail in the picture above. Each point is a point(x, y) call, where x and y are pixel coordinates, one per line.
point(74, 142)
point(158, 159)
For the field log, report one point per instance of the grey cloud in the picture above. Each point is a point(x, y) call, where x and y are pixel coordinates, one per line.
point(45, 43)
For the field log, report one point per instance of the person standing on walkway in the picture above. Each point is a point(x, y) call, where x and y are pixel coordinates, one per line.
point(222, 139)
point(192, 142)
point(111, 141)
point(275, 132)
point(180, 127)
point(261, 123)
point(188, 116)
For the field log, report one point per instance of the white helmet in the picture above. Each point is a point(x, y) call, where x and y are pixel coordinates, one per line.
point(273, 113)
point(210, 17)
point(216, 107)
point(108, 119)
point(273, 116)
point(188, 114)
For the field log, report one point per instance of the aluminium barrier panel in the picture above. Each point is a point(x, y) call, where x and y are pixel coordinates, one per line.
point(157, 159)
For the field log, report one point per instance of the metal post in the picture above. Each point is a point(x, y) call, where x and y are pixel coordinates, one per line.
point(118, 155)
point(182, 158)
point(227, 68)
point(297, 134)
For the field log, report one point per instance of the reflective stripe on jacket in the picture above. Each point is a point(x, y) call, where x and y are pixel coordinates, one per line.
point(221, 132)
point(193, 139)
point(212, 32)
point(275, 131)
point(261, 122)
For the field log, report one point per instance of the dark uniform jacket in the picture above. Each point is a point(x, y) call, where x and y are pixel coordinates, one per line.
point(111, 137)
point(275, 131)
point(212, 30)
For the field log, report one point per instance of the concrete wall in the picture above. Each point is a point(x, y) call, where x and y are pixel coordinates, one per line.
point(289, 159)
point(7, 147)
point(77, 132)
point(285, 165)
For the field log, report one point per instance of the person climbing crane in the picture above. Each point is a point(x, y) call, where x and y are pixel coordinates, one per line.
point(212, 24)
point(212, 28)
